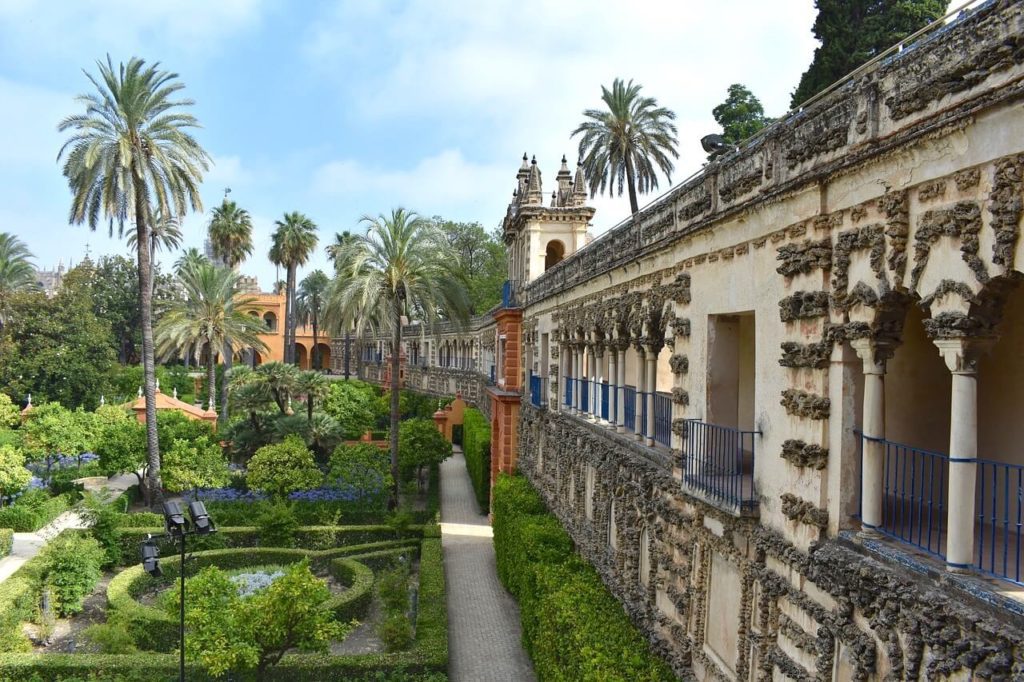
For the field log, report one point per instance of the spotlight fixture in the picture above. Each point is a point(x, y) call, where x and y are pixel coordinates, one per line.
point(201, 521)
point(716, 145)
point(174, 519)
point(151, 558)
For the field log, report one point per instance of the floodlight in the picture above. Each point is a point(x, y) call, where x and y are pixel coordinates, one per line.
point(201, 521)
point(174, 519)
point(150, 559)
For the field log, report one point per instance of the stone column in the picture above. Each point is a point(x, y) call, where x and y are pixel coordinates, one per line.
point(598, 379)
point(577, 372)
point(652, 387)
point(528, 368)
point(873, 451)
point(613, 388)
point(591, 373)
point(641, 382)
point(620, 402)
point(961, 356)
point(559, 405)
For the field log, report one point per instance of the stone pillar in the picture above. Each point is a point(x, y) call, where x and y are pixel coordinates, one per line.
point(652, 387)
point(598, 380)
point(620, 403)
point(961, 356)
point(528, 352)
point(612, 386)
point(873, 451)
point(577, 357)
point(641, 382)
point(560, 396)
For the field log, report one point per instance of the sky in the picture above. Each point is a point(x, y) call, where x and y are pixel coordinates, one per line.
point(343, 109)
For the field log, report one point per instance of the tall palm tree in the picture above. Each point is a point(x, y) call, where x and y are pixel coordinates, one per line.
point(231, 239)
point(402, 264)
point(16, 272)
point(164, 233)
point(309, 308)
point(622, 145)
point(293, 243)
point(335, 251)
point(315, 386)
point(129, 153)
point(189, 258)
point(212, 313)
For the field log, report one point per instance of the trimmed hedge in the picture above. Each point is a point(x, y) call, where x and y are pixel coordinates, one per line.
point(6, 541)
point(25, 518)
point(573, 628)
point(476, 446)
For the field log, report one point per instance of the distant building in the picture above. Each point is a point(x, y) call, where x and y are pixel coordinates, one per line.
point(50, 280)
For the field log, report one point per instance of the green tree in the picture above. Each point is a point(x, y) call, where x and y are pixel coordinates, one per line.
point(283, 468)
point(293, 244)
point(229, 632)
point(231, 239)
point(58, 349)
point(53, 429)
point(131, 151)
point(480, 261)
point(309, 309)
point(362, 467)
point(352, 406)
point(315, 387)
point(10, 415)
point(620, 146)
point(164, 233)
point(852, 32)
point(740, 115)
point(336, 250)
point(191, 464)
point(122, 449)
point(321, 434)
point(72, 568)
point(402, 264)
point(420, 444)
point(14, 477)
point(189, 259)
point(212, 313)
point(16, 272)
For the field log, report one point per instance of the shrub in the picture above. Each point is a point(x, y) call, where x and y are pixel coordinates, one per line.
point(72, 569)
point(6, 541)
point(420, 444)
point(277, 526)
point(10, 415)
point(14, 477)
point(115, 636)
point(351, 404)
point(102, 516)
point(362, 468)
point(572, 625)
point(191, 464)
point(122, 448)
point(33, 510)
point(283, 468)
point(476, 446)
point(395, 631)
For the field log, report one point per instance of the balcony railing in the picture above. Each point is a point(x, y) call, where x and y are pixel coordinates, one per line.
point(1000, 505)
point(492, 375)
point(605, 393)
point(567, 391)
point(629, 408)
point(643, 413)
point(508, 294)
point(718, 462)
point(584, 389)
point(537, 390)
point(663, 419)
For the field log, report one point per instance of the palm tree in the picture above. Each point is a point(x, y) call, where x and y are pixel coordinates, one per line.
point(131, 152)
point(164, 233)
point(315, 386)
point(293, 243)
point(16, 272)
point(621, 145)
point(231, 239)
point(342, 240)
point(211, 313)
point(189, 258)
point(401, 264)
point(309, 308)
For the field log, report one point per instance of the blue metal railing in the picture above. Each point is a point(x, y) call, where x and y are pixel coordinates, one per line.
point(1000, 506)
point(663, 419)
point(914, 494)
point(605, 392)
point(492, 375)
point(508, 294)
point(584, 388)
point(567, 397)
point(643, 413)
point(629, 408)
point(537, 390)
point(718, 461)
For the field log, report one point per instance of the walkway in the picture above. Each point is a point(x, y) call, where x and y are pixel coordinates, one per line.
point(27, 545)
point(483, 619)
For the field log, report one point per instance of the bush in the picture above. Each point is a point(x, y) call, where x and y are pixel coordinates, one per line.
point(351, 404)
point(476, 446)
point(33, 510)
point(277, 526)
point(72, 568)
point(283, 468)
point(14, 477)
point(572, 625)
point(102, 516)
point(6, 541)
point(420, 444)
point(364, 469)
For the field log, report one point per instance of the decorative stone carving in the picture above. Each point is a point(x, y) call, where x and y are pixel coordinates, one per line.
point(803, 404)
point(870, 237)
point(802, 511)
point(804, 257)
point(1004, 203)
point(799, 453)
point(679, 364)
point(812, 355)
point(803, 305)
point(962, 221)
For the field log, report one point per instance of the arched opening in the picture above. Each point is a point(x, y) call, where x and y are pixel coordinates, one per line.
point(613, 527)
point(588, 492)
point(644, 563)
point(270, 320)
point(553, 254)
point(257, 359)
point(301, 356)
point(323, 356)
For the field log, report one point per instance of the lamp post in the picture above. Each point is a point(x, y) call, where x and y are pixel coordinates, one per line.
point(177, 527)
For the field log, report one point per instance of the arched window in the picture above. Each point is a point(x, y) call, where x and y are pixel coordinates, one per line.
point(270, 319)
point(644, 565)
point(554, 253)
point(588, 492)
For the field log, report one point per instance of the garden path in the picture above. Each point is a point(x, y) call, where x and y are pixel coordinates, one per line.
point(27, 545)
point(484, 636)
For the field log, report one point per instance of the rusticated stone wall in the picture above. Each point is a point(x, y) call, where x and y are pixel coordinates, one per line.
point(828, 613)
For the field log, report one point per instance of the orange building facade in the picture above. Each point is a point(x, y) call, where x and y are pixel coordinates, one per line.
point(270, 308)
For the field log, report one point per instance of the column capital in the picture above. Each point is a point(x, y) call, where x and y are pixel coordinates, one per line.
point(873, 354)
point(961, 354)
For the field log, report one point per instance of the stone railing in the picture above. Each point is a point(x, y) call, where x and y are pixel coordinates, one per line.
point(934, 82)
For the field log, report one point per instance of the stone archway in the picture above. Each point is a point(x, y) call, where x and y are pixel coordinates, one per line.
point(301, 356)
